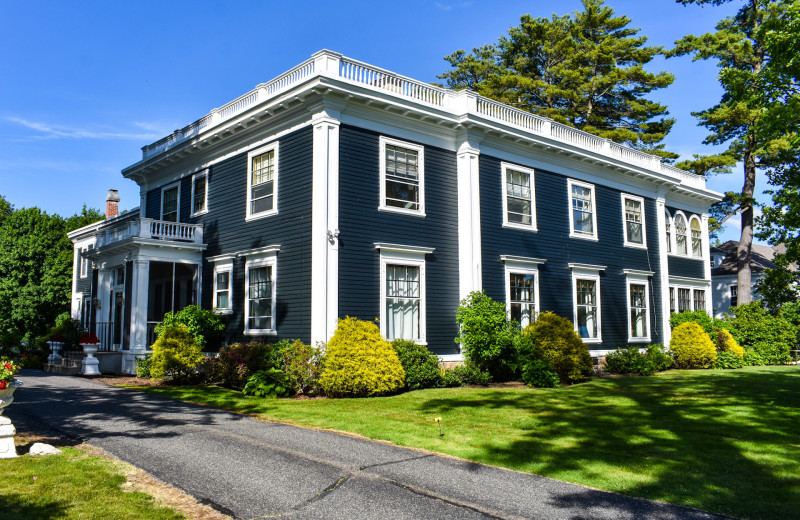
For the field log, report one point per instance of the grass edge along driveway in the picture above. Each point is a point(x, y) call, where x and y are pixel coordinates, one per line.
point(724, 441)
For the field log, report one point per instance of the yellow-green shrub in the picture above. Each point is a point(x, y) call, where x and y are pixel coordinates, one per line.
point(692, 347)
point(726, 343)
point(358, 362)
point(175, 354)
point(554, 339)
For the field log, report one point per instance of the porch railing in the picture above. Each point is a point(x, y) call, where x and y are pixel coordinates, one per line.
point(105, 333)
point(151, 228)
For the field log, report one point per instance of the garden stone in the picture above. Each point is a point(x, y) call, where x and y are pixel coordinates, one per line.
point(40, 448)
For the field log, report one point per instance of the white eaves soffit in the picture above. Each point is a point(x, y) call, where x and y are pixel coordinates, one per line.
point(360, 88)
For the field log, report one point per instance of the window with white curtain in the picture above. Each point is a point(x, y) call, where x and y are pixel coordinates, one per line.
point(637, 302)
point(402, 291)
point(260, 294)
point(522, 298)
point(586, 308)
point(681, 235)
point(697, 237)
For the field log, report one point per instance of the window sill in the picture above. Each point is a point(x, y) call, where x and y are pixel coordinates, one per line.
point(223, 311)
point(592, 340)
point(260, 332)
point(199, 213)
point(639, 340)
point(402, 211)
point(688, 257)
point(521, 227)
point(635, 246)
point(263, 214)
point(593, 238)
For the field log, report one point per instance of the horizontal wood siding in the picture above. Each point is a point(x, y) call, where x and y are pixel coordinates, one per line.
point(225, 231)
point(552, 243)
point(361, 225)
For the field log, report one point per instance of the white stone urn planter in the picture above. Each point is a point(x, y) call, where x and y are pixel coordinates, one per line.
point(89, 365)
point(55, 348)
point(7, 431)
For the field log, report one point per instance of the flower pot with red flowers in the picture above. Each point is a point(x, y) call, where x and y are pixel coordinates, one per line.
point(89, 366)
point(7, 386)
point(56, 342)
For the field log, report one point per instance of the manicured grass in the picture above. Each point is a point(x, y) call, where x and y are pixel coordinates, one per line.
point(725, 441)
point(73, 485)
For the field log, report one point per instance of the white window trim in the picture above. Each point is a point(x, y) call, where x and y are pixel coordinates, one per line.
point(640, 200)
point(572, 233)
point(404, 255)
point(522, 265)
point(504, 167)
point(264, 257)
point(203, 173)
point(691, 240)
point(639, 278)
point(167, 188)
point(420, 168)
point(254, 153)
point(586, 272)
point(222, 264)
point(674, 251)
point(692, 285)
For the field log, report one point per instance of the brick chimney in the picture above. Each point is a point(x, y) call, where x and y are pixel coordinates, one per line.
point(112, 204)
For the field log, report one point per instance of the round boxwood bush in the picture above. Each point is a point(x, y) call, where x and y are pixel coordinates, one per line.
point(420, 365)
point(553, 339)
point(726, 343)
point(358, 362)
point(692, 347)
point(175, 354)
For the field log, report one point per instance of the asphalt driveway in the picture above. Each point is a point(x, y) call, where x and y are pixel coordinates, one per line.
point(255, 469)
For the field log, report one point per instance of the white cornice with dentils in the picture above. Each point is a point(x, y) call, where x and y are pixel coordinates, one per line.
point(331, 74)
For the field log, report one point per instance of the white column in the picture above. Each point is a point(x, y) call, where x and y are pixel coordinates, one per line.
point(469, 219)
point(663, 266)
point(707, 259)
point(139, 297)
point(325, 225)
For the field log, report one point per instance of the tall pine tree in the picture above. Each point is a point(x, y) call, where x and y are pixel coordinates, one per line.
point(585, 70)
point(739, 119)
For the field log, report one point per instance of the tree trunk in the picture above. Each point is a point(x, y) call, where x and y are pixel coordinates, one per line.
point(746, 240)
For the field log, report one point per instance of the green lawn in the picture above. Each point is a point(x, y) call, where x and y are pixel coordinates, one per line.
point(73, 485)
point(722, 441)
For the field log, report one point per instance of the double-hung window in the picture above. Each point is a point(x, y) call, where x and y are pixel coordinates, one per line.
point(684, 299)
point(697, 237)
point(223, 283)
point(699, 299)
point(519, 199)
point(668, 230)
point(583, 213)
point(200, 193)
point(586, 299)
point(402, 174)
point(262, 181)
point(260, 279)
point(170, 202)
point(403, 292)
point(681, 235)
point(638, 304)
point(633, 217)
point(522, 288)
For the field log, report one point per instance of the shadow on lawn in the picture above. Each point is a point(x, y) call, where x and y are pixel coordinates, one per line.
point(15, 507)
point(725, 441)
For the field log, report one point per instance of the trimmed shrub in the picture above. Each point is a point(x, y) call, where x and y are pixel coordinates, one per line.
point(267, 383)
point(359, 362)
point(463, 375)
point(175, 354)
point(710, 325)
point(727, 359)
point(692, 347)
point(630, 360)
point(202, 323)
point(726, 343)
point(540, 373)
point(758, 331)
point(553, 339)
point(300, 364)
point(237, 362)
point(487, 337)
point(420, 365)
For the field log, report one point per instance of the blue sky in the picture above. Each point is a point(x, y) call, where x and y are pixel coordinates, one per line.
point(85, 84)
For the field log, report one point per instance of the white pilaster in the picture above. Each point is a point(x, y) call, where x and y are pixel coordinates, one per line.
point(469, 219)
point(139, 298)
point(663, 266)
point(325, 224)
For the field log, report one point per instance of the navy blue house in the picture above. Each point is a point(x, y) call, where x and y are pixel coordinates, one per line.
point(341, 189)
